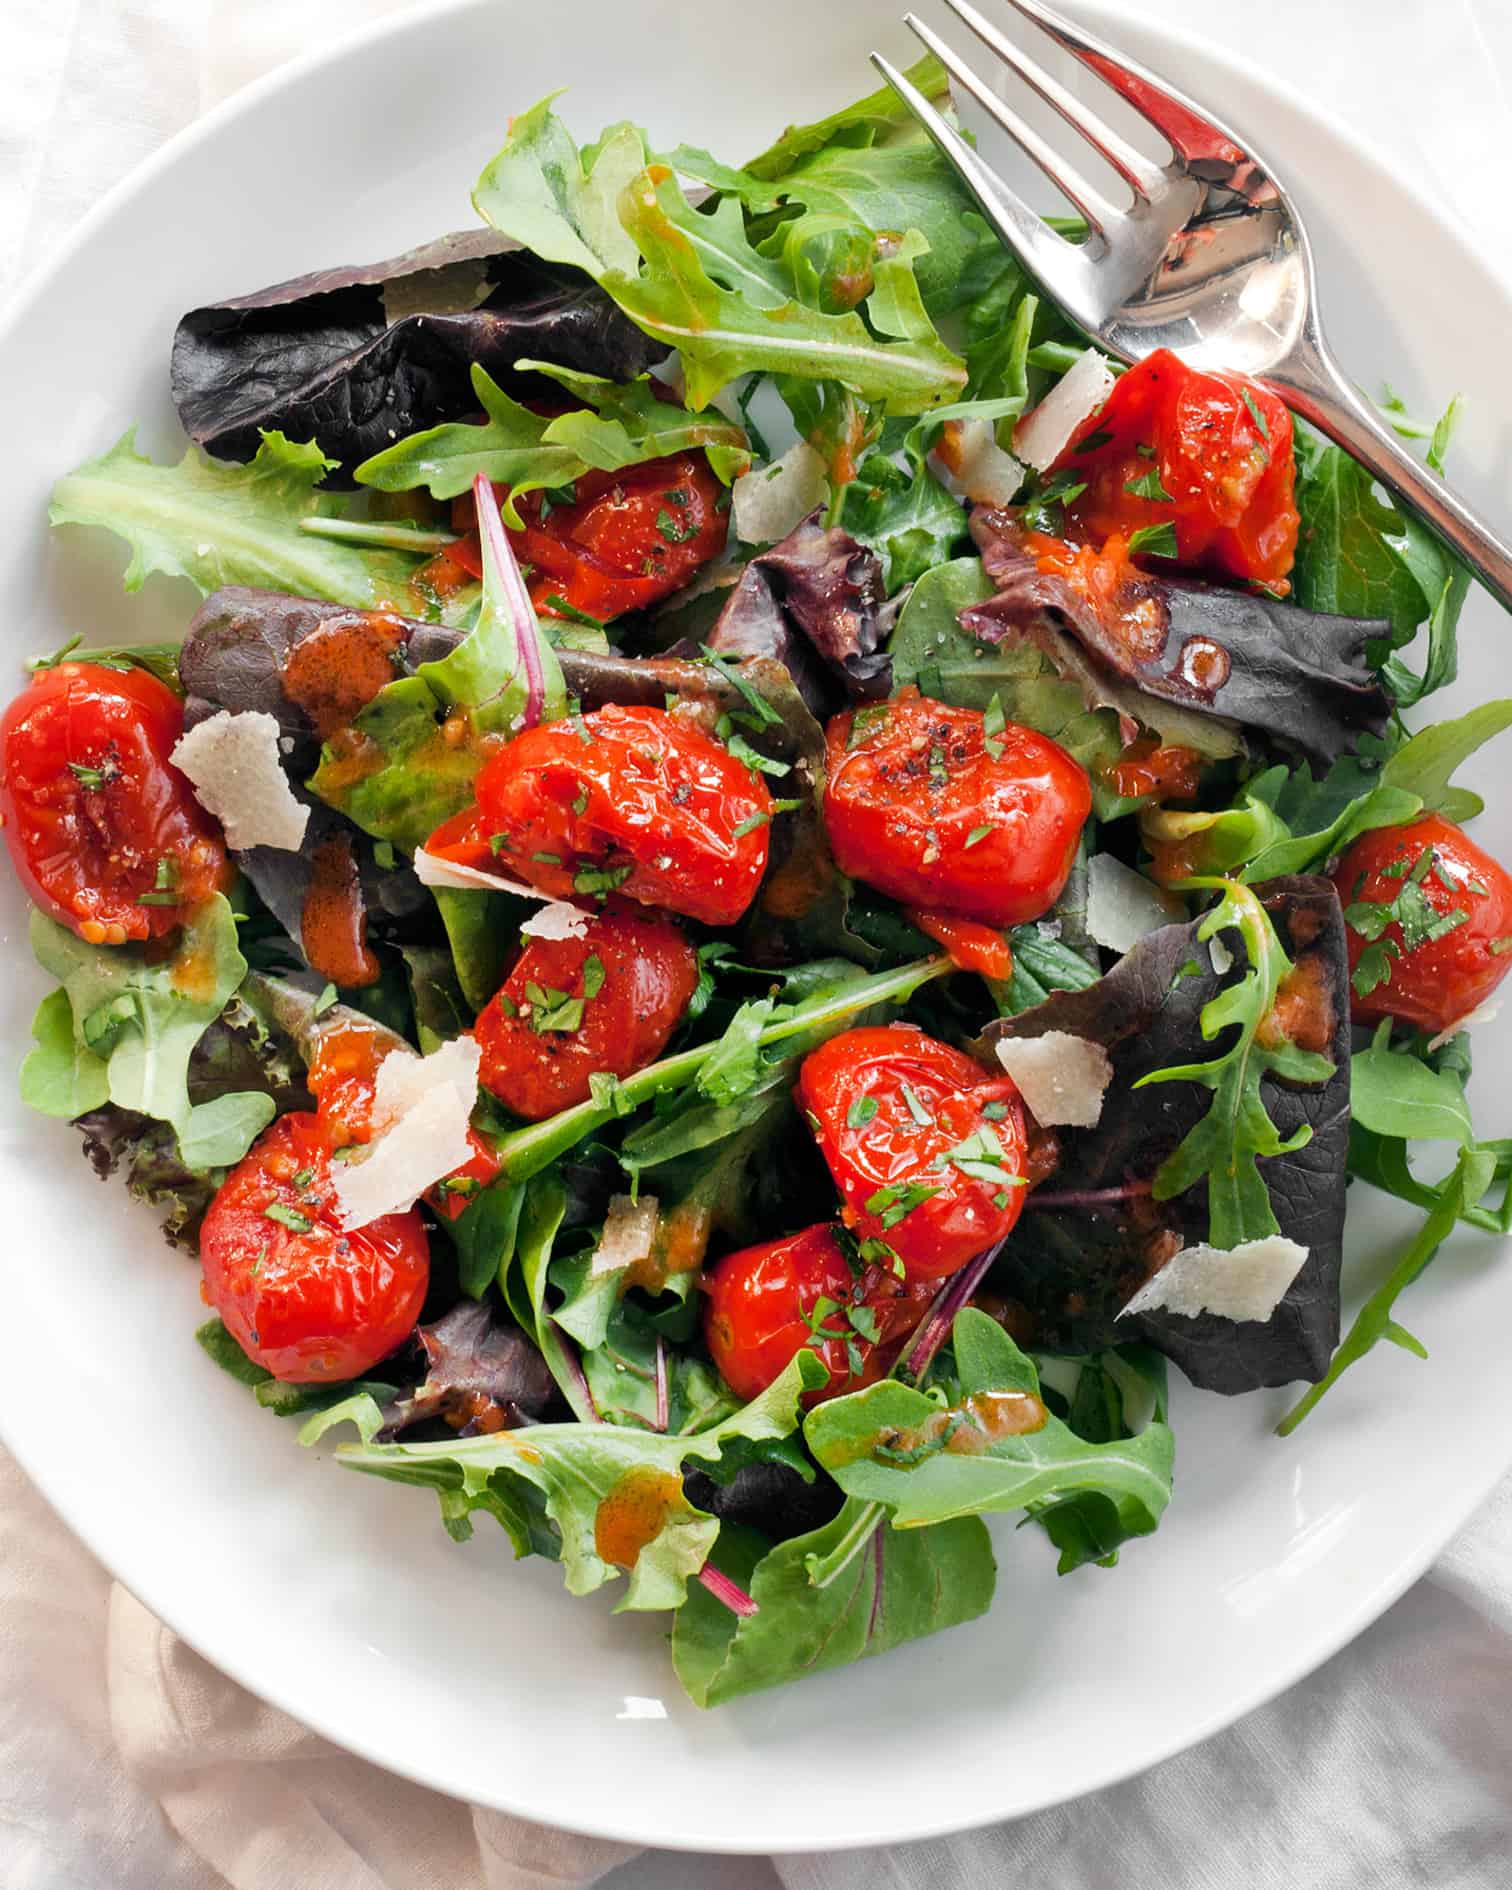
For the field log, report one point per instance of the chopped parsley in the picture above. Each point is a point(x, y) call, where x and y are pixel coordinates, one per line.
point(982, 1157)
point(601, 879)
point(547, 859)
point(675, 531)
point(324, 1002)
point(1094, 440)
point(977, 835)
point(551, 1009)
point(1420, 921)
point(500, 843)
point(1155, 541)
point(593, 976)
point(571, 613)
point(939, 772)
point(916, 1108)
point(91, 778)
point(993, 724)
point(1262, 425)
point(288, 1217)
point(861, 1111)
point(1148, 486)
point(898, 1200)
point(730, 670)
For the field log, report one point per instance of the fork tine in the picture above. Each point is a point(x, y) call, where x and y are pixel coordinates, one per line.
point(1192, 133)
point(1038, 248)
point(1093, 206)
point(1137, 171)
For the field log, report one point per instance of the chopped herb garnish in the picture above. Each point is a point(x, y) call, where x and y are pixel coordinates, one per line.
point(91, 778)
point(571, 613)
point(899, 1199)
point(1155, 541)
point(601, 879)
point(551, 1009)
point(1262, 425)
point(1094, 440)
point(995, 1111)
point(1500, 946)
point(675, 531)
point(977, 835)
point(547, 859)
point(608, 1092)
point(730, 670)
point(304, 1177)
point(500, 843)
point(861, 1111)
point(288, 1217)
point(939, 773)
point(993, 724)
point(593, 976)
point(916, 1108)
point(324, 1002)
point(1148, 486)
point(1420, 921)
point(750, 824)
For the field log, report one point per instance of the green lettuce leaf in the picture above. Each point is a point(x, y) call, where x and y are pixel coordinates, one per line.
point(903, 1585)
point(891, 1444)
point(1394, 1093)
point(215, 522)
point(132, 1027)
point(577, 1468)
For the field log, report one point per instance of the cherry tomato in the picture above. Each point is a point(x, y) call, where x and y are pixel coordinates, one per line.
point(1207, 453)
point(628, 800)
point(763, 1308)
point(573, 1006)
point(969, 945)
point(309, 1301)
point(626, 540)
point(924, 804)
point(104, 832)
point(343, 1076)
point(927, 1150)
point(1428, 917)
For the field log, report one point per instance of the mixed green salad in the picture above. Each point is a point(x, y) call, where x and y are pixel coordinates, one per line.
point(760, 885)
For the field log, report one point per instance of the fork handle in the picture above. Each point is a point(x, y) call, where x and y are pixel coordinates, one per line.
point(1313, 385)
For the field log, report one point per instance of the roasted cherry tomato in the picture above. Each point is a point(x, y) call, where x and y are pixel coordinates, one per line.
point(763, 1307)
point(628, 800)
point(306, 1299)
point(343, 1078)
point(104, 832)
point(969, 944)
point(1428, 916)
point(627, 539)
point(928, 1150)
point(1209, 454)
point(925, 804)
point(573, 1006)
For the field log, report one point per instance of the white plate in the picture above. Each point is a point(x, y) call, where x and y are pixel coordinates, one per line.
point(339, 1597)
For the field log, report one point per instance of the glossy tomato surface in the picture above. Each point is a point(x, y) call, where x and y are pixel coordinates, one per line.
point(629, 800)
point(309, 1301)
point(1428, 918)
point(926, 805)
point(622, 541)
point(1207, 454)
point(104, 832)
point(571, 1007)
point(928, 1151)
point(763, 1306)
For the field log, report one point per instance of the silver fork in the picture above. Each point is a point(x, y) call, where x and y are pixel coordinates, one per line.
point(1211, 259)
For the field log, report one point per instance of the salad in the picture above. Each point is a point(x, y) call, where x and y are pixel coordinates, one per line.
point(760, 885)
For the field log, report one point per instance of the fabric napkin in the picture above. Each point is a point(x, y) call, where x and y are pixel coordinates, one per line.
point(128, 1763)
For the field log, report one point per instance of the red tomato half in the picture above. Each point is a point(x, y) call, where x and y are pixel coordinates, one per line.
point(628, 538)
point(573, 1006)
point(763, 1308)
point(104, 832)
point(1448, 942)
point(308, 1301)
point(1208, 453)
point(928, 1151)
point(925, 805)
point(627, 800)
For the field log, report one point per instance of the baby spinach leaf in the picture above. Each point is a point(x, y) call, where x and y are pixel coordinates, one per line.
point(983, 1452)
point(1394, 1093)
point(903, 1585)
point(61, 1076)
point(217, 523)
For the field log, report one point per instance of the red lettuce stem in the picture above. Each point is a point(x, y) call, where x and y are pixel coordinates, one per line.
point(723, 1589)
point(941, 1316)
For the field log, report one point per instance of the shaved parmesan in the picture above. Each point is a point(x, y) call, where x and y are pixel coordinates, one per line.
point(1123, 906)
point(404, 1079)
point(1222, 958)
point(629, 1229)
point(557, 918)
point(422, 1107)
point(1062, 1078)
point(422, 1146)
point(232, 762)
point(1247, 1282)
point(1043, 435)
point(973, 465)
point(767, 503)
point(1482, 1014)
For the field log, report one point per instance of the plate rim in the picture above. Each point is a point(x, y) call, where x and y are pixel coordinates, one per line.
point(1375, 1599)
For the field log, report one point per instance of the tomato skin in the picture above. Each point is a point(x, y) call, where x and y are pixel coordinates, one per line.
point(87, 855)
point(1231, 480)
point(636, 792)
point(629, 539)
point(649, 971)
point(311, 1307)
point(1443, 979)
point(912, 781)
point(970, 946)
point(872, 1068)
point(754, 1324)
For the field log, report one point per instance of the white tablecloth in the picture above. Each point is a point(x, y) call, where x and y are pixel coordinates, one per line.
point(126, 1763)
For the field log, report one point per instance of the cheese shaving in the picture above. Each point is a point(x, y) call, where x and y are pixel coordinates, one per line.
point(1123, 906)
point(404, 1079)
point(1243, 1283)
point(767, 503)
point(1042, 436)
point(1062, 1078)
point(629, 1229)
point(422, 1107)
point(557, 918)
point(973, 466)
point(232, 763)
point(1482, 1014)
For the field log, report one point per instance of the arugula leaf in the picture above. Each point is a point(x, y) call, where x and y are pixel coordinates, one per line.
point(1469, 1180)
point(876, 116)
point(895, 1445)
point(587, 1473)
point(134, 1026)
point(1425, 765)
point(1116, 1394)
point(620, 426)
point(215, 522)
point(1237, 1128)
point(904, 1585)
point(1393, 1093)
point(559, 201)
